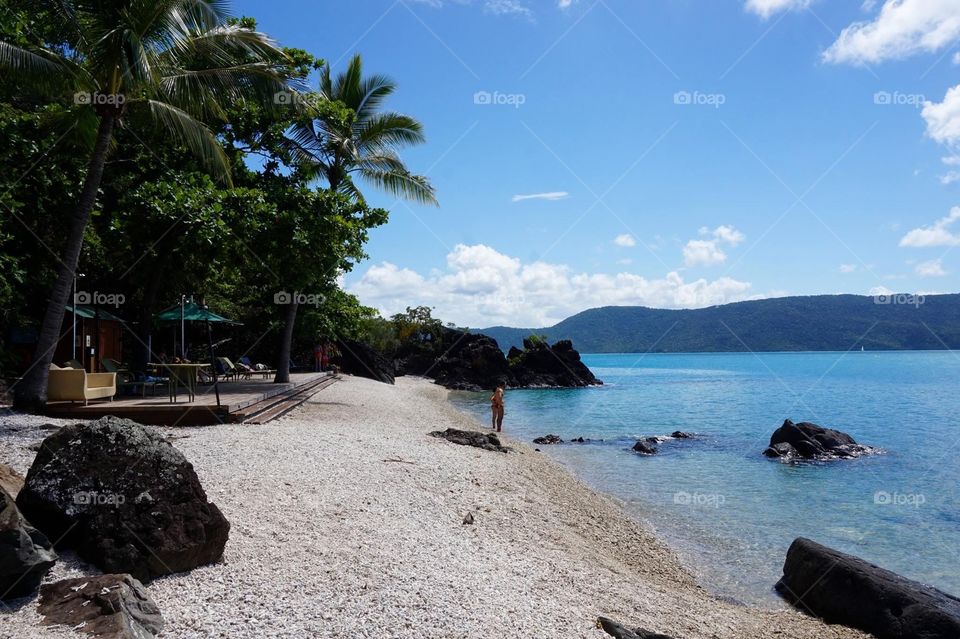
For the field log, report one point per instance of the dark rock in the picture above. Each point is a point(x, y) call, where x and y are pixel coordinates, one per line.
point(25, 553)
point(486, 441)
point(646, 446)
point(471, 362)
point(541, 365)
point(620, 631)
point(108, 606)
point(468, 520)
point(810, 441)
point(124, 498)
point(679, 434)
point(10, 480)
point(548, 439)
point(362, 360)
point(847, 590)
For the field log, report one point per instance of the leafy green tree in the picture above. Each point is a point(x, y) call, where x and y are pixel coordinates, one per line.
point(167, 61)
point(366, 144)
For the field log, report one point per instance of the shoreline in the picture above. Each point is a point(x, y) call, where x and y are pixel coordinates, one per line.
point(347, 520)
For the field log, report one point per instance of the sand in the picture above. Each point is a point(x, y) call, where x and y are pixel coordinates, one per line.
point(347, 521)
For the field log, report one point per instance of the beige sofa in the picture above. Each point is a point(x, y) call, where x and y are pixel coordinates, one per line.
point(77, 385)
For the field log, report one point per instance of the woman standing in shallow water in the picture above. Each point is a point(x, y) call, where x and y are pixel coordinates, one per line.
point(496, 408)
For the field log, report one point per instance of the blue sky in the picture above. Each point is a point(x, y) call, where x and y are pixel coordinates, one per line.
point(672, 153)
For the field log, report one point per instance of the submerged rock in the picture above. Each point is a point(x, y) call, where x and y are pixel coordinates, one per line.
point(847, 590)
point(549, 439)
point(679, 434)
point(25, 553)
point(124, 498)
point(108, 606)
point(810, 441)
point(486, 441)
point(646, 446)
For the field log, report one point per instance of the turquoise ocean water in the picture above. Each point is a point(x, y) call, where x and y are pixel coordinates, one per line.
point(731, 513)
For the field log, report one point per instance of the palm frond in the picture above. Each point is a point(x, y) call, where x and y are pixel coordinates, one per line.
point(195, 136)
point(402, 184)
point(40, 66)
point(389, 130)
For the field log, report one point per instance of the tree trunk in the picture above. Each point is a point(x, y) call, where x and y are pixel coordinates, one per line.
point(286, 342)
point(30, 393)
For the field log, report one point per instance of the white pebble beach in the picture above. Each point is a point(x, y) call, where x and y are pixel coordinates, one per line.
point(347, 521)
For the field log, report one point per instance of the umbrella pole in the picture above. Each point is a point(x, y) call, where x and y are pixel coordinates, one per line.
point(213, 363)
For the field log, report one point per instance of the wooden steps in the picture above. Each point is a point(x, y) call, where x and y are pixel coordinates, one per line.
point(274, 407)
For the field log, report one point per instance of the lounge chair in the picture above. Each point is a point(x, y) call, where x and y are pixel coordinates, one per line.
point(73, 385)
point(229, 370)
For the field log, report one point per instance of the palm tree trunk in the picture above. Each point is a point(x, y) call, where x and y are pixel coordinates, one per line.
point(30, 393)
point(286, 342)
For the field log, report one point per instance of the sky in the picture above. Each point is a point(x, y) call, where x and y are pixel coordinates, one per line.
point(663, 153)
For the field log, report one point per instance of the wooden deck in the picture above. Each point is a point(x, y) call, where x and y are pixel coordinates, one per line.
point(248, 400)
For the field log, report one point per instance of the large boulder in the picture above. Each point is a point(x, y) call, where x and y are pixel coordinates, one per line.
point(471, 362)
point(810, 441)
point(847, 590)
point(124, 498)
point(25, 553)
point(107, 606)
point(541, 365)
point(362, 360)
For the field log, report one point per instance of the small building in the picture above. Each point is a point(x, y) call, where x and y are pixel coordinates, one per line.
point(98, 333)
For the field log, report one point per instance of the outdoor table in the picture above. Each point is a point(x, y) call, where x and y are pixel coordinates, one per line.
point(185, 374)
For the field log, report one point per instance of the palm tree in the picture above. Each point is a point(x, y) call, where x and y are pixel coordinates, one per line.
point(335, 148)
point(170, 60)
point(367, 144)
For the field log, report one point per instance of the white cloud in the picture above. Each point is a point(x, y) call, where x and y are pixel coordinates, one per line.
point(767, 8)
point(933, 268)
point(956, 58)
point(625, 240)
point(703, 253)
point(937, 234)
point(950, 177)
point(708, 252)
point(551, 196)
point(879, 290)
point(943, 118)
point(483, 287)
point(902, 28)
point(848, 268)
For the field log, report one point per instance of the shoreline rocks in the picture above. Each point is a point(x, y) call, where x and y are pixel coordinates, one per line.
point(619, 631)
point(109, 606)
point(485, 441)
point(812, 442)
point(844, 589)
point(548, 440)
point(26, 555)
point(124, 498)
point(646, 446)
point(362, 360)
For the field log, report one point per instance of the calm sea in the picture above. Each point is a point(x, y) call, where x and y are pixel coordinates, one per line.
point(731, 513)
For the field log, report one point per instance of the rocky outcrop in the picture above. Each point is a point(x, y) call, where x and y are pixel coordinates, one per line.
point(362, 360)
point(847, 590)
point(646, 446)
point(541, 365)
point(25, 553)
point(108, 606)
point(471, 362)
point(619, 631)
point(547, 440)
point(486, 441)
point(679, 434)
point(124, 498)
point(10, 480)
point(810, 441)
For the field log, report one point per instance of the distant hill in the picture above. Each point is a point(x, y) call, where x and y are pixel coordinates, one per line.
point(815, 323)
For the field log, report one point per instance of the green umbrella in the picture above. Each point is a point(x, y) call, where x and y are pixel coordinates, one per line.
point(192, 312)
